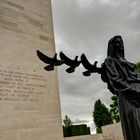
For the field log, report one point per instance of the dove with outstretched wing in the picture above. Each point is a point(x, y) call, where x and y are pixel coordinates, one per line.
point(87, 65)
point(72, 63)
point(50, 61)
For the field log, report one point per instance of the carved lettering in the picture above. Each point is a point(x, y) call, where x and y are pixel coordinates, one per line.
point(21, 87)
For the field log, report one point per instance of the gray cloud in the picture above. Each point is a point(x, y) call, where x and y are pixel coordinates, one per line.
point(86, 26)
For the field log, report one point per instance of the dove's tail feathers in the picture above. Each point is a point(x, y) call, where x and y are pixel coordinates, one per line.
point(70, 70)
point(49, 68)
point(86, 73)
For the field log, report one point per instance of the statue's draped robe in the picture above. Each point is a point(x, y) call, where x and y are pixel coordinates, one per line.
point(123, 81)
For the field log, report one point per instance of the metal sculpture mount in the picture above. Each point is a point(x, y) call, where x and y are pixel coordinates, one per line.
point(72, 63)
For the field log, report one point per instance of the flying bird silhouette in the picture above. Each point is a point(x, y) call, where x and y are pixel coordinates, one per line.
point(87, 65)
point(72, 63)
point(50, 61)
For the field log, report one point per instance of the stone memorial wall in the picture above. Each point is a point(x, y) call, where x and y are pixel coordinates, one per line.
point(29, 96)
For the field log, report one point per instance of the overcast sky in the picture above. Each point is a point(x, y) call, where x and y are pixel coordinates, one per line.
point(85, 26)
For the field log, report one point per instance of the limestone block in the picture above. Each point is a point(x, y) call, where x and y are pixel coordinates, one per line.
point(29, 97)
point(112, 132)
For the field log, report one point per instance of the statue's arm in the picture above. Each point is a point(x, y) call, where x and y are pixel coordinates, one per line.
point(115, 78)
point(99, 70)
point(119, 84)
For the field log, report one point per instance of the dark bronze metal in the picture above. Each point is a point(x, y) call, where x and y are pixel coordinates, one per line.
point(72, 63)
point(50, 61)
point(88, 66)
point(121, 78)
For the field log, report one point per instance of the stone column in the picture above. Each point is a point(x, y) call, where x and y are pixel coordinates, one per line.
point(29, 97)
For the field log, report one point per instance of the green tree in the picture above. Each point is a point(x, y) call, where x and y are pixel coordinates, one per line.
point(138, 67)
point(114, 110)
point(67, 121)
point(101, 115)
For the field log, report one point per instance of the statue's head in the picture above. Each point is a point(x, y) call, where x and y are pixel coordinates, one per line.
point(115, 47)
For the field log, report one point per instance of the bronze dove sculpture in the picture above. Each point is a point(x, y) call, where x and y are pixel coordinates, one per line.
point(50, 61)
point(72, 63)
point(88, 66)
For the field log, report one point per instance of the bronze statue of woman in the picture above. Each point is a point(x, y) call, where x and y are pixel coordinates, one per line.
point(123, 81)
point(121, 78)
